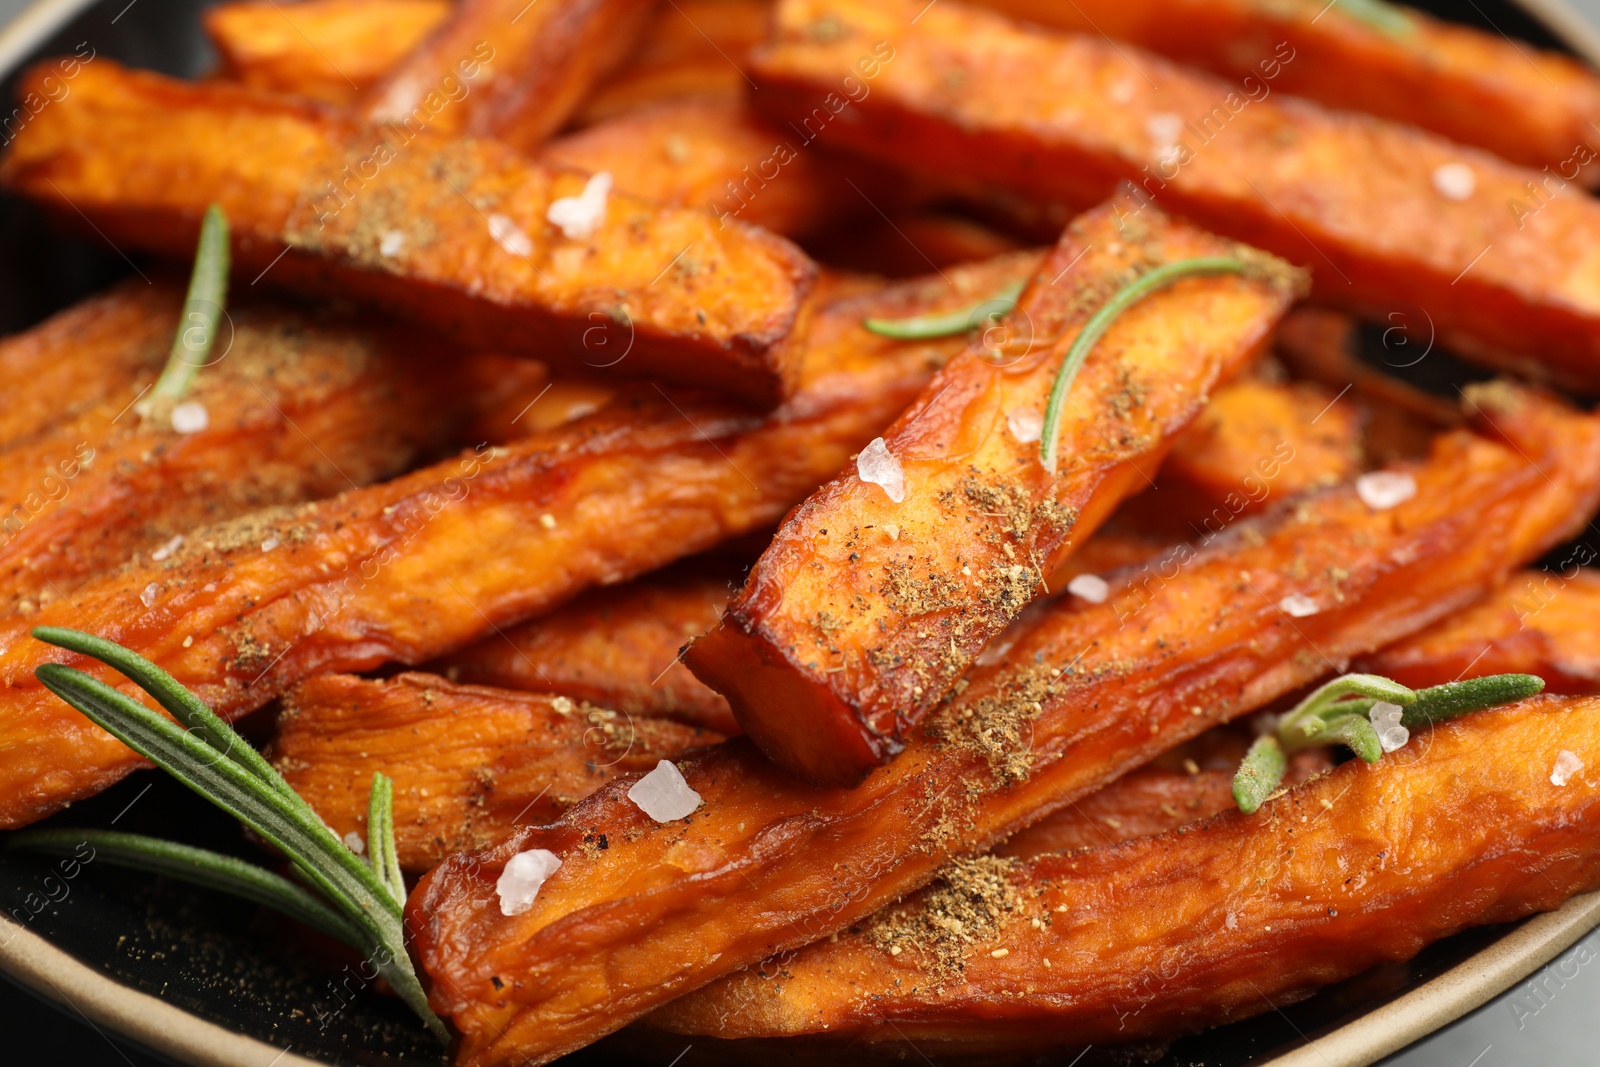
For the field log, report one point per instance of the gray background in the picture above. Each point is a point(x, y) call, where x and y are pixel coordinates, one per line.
point(1551, 1020)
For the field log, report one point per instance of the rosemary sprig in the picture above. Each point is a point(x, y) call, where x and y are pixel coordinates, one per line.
point(928, 327)
point(197, 329)
point(218, 764)
point(1101, 321)
point(1338, 714)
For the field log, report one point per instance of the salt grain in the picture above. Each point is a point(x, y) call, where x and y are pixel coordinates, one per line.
point(190, 417)
point(1454, 181)
point(1382, 490)
point(269, 544)
point(509, 236)
point(167, 549)
point(1567, 764)
point(1163, 128)
point(522, 877)
point(663, 794)
point(877, 465)
point(1298, 605)
point(392, 242)
point(353, 842)
point(580, 216)
point(1090, 587)
point(1386, 720)
point(148, 597)
point(1025, 426)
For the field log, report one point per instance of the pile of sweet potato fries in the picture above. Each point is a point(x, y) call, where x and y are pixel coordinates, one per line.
point(683, 395)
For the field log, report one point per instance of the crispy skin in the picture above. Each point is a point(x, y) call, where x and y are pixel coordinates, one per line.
point(617, 648)
point(468, 761)
point(329, 50)
point(507, 69)
point(1171, 934)
point(1539, 622)
point(769, 864)
point(418, 567)
point(864, 611)
point(142, 155)
point(292, 390)
point(971, 95)
point(1526, 105)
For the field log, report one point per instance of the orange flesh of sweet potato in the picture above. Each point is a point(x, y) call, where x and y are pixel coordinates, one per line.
point(1157, 937)
point(970, 95)
point(864, 610)
point(417, 567)
point(1539, 622)
point(616, 647)
point(329, 50)
point(448, 233)
point(508, 69)
point(290, 391)
point(769, 864)
point(1529, 106)
point(468, 762)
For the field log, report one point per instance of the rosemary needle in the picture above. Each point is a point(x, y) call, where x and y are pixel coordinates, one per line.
point(928, 327)
point(1260, 773)
point(1101, 321)
point(202, 308)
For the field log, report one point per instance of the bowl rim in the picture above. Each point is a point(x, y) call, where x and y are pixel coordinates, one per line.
point(39, 966)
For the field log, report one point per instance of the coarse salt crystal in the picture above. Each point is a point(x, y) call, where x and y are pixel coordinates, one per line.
point(509, 236)
point(1090, 587)
point(1567, 764)
point(392, 242)
point(1298, 605)
point(580, 216)
point(167, 549)
point(1454, 181)
point(1385, 719)
point(1025, 426)
point(1382, 490)
point(524, 873)
point(269, 544)
point(1232, 921)
point(876, 464)
point(148, 597)
point(663, 794)
point(190, 417)
point(353, 842)
point(1163, 128)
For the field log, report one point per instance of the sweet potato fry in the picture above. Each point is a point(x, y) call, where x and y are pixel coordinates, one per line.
point(1527, 105)
point(906, 245)
point(291, 390)
point(452, 234)
point(867, 608)
point(769, 864)
point(1388, 218)
point(1473, 824)
point(328, 50)
point(616, 647)
point(468, 762)
point(1539, 622)
point(415, 568)
point(508, 69)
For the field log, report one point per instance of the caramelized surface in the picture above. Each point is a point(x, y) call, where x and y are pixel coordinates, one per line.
point(420, 566)
point(329, 50)
point(968, 95)
point(1166, 935)
point(1530, 106)
point(507, 69)
point(468, 762)
point(469, 250)
point(864, 611)
point(769, 864)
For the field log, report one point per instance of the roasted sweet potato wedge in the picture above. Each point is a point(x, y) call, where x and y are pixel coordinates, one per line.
point(468, 762)
point(616, 647)
point(1527, 105)
point(872, 600)
point(768, 864)
point(291, 390)
point(507, 69)
point(1388, 218)
point(329, 50)
point(412, 569)
point(1471, 824)
point(449, 233)
point(1539, 622)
